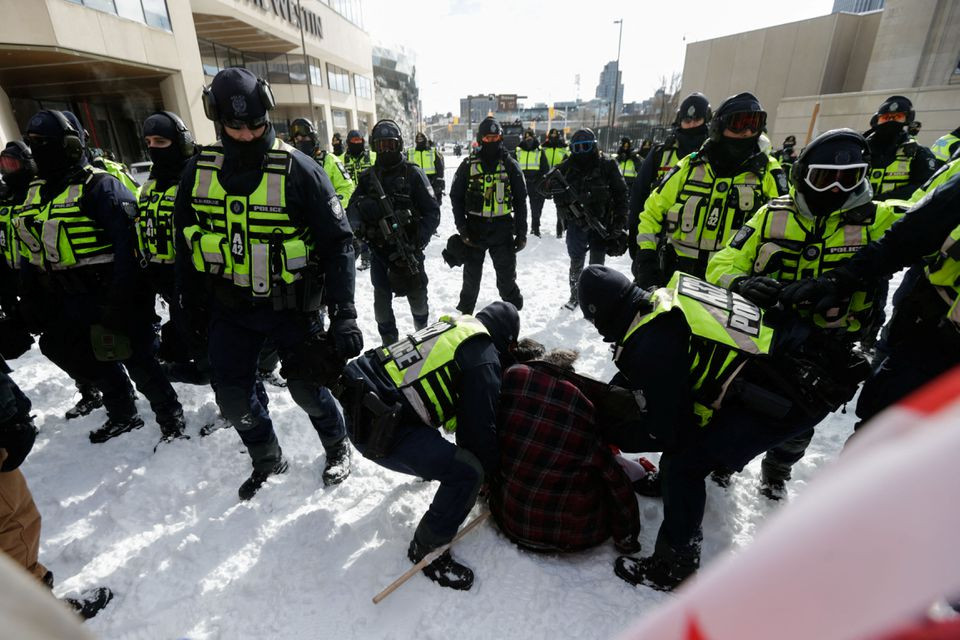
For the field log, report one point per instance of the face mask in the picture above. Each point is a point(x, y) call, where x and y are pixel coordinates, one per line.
point(355, 148)
point(690, 139)
point(167, 161)
point(338, 149)
point(528, 144)
point(887, 132)
point(584, 160)
point(50, 158)
point(490, 151)
point(17, 180)
point(826, 202)
point(732, 152)
point(306, 146)
point(248, 154)
point(421, 145)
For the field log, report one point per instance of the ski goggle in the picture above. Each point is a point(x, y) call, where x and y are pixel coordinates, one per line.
point(492, 137)
point(386, 145)
point(846, 177)
point(355, 140)
point(9, 164)
point(583, 146)
point(896, 116)
point(251, 125)
point(745, 121)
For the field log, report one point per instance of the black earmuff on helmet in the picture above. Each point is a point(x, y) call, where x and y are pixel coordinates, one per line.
point(212, 111)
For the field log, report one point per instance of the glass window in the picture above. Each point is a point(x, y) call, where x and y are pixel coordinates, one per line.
point(208, 57)
point(130, 9)
point(338, 78)
point(362, 86)
point(257, 63)
point(298, 70)
point(156, 14)
point(101, 5)
point(278, 69)
point(316, 72)
point(341, 119)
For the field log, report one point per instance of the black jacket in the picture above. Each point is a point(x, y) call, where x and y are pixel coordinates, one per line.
point(923, 164)
point(518, 190)
point(601, 188)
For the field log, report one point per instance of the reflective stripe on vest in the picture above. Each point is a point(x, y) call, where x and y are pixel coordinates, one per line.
point(894, 175)
point(56, 234)
point(941, 148)
point(356, 164)
point(628, 168)
point(529, 160)
point(9, 246)
point(493, 189)
point(424, 369)
point(425, 159)
point(249, 240)
point(944, 274)
point(155, 222)
point(724, 328)
point(668, 160)
point(789, 251)
point(555, 155)
point(709, 211)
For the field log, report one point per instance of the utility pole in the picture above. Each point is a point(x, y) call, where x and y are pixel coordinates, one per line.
point(306, 60)
point(616, 83)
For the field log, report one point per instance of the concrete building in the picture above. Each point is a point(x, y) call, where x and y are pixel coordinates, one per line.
point(398, 97)
point(835, 70)
point(113, 62)
point(610, 86)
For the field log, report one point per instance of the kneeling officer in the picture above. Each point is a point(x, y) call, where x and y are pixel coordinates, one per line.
point(396, 398)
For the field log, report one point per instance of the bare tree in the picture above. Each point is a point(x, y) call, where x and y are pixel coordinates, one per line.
point(667, 98)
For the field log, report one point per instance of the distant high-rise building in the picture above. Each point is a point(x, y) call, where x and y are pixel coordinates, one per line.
point(856, 6)
point(610, 83)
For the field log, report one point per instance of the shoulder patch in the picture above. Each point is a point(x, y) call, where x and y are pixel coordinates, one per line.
point(336, 207)
point(742, 236)
point(130, 208)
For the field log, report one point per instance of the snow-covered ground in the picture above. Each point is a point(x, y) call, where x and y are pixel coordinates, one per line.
point(186, 559)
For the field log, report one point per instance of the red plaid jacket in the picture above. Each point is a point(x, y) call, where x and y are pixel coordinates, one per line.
point(560, 488)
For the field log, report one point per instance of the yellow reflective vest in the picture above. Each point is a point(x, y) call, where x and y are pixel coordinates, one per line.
point(425, 159)
point(897, 173)
point(529, 160)
point(556, 155)
point(488, 194)
point(155, 222)
point(944, 274)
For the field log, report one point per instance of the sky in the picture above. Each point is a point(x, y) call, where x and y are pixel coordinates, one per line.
point(538, 48)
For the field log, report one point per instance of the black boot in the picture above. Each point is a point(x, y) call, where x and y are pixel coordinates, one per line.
point(364, 262)
point(270, 376)
point(576, 268)
point(218, 423)
point(337, 467)
point(90, 602)
point(172, 426)
point(90, 399)
point(721, 477)
point(114, 427)
point(445, 571)
point(252, 484)
point(773, 488)
point(661, 571)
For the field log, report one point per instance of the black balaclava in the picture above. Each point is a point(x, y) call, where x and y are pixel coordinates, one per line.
point(307, 146)
point(238, 98)
point(623, 152)
point(584, 161)
point(490, 151)
point(694, 105)
point(354, 149)
point(553, 138)
point(689, 140)
point(609, 300)
point(421, 142)
point(886, 135)
point(17, 181)
point(728, 154)
point(337, 144)
point(53, 161)
point(168, 162)
point(529, 142)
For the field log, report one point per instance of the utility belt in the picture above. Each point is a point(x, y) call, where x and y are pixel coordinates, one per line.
point(306, 294)
point(93, 279)
point(372, 422)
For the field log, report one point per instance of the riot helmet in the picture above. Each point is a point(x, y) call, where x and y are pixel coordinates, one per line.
point(694, 107)
point(584, 149)
point(303, 135)
point(57, 145)
point(386, 140)
point(832, 173)
point(238, 99)
point(336, 144)
point(490, 137)
point(17, 165)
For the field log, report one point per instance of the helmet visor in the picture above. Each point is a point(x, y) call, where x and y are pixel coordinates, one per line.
point(9, 164)
point(847, 177)
point(386, 145)
point(583, 146)
point(897, 116)
point(300, 129)
point(355, 140)
point(492, 137)
point(246, 124)
point(745, 121)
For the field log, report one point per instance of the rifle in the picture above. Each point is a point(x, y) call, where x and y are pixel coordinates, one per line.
point(575, 205)
point(393, 227)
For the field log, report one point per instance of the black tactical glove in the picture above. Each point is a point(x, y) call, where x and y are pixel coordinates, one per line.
point(347, 337)
point(519, 243)
point(824, 293)
point(616, 244)
point(646, 270)
point(16, 436)
point(760, 290)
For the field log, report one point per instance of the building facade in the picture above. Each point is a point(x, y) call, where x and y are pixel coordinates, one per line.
point(835, 70)
point(609, 87)
point(113, 62)
point(856, 6)
point(395, 77)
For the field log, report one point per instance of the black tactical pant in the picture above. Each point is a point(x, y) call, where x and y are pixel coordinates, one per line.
point(580, 241)
point(496, 236)
point(779, 461)
point(383, 301)
point(536, 208)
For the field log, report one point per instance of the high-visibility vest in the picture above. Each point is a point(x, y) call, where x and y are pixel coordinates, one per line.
point(944, 274)
point(118, 171)
point(942, 147)
point(897, 173)
point(249, 240)
point(57, 234)
point(423, 367)
point(555, 155)
point(9, 247)
point(669, 158)
point(488, 194)
point(529, 160)
point(628, 168)
point(425, 159)
point(725, 329)
point(155, 222)
point(356, 164)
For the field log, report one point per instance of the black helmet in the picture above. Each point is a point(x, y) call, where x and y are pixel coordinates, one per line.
point(238, 95)
point(303, 127)
point(742, 103)
point(17, 164)
point(353, 134)
point(387, 141)
point(386, 129)
point(489, 126)
point(790, 141)
point(894, 104)
point(625, 140)
point(583, 141)
point(694, 106)
point(845, 157)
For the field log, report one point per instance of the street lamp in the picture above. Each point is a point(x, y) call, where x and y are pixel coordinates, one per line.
point(616, 82)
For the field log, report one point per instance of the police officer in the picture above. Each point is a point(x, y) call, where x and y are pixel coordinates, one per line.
point(946, 146)
point(490, 210)
point(628, 162)
point(645, 147)
point(75, 230)
point(898, 164)
point(595, 192)
point(708, 404)
point(260, 223)
point(304, 137)
point(924, 340)
point(393, 211)
point(708, 196)
point(356, 159)
point(787, 154)
point(555, 151)
point(533, 163)
point(827, 218)
point(336, 144)
point(689, 131)
point(396, 405)
point(425, 156)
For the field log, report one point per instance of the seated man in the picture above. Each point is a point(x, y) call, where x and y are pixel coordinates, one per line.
point(560, 488)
